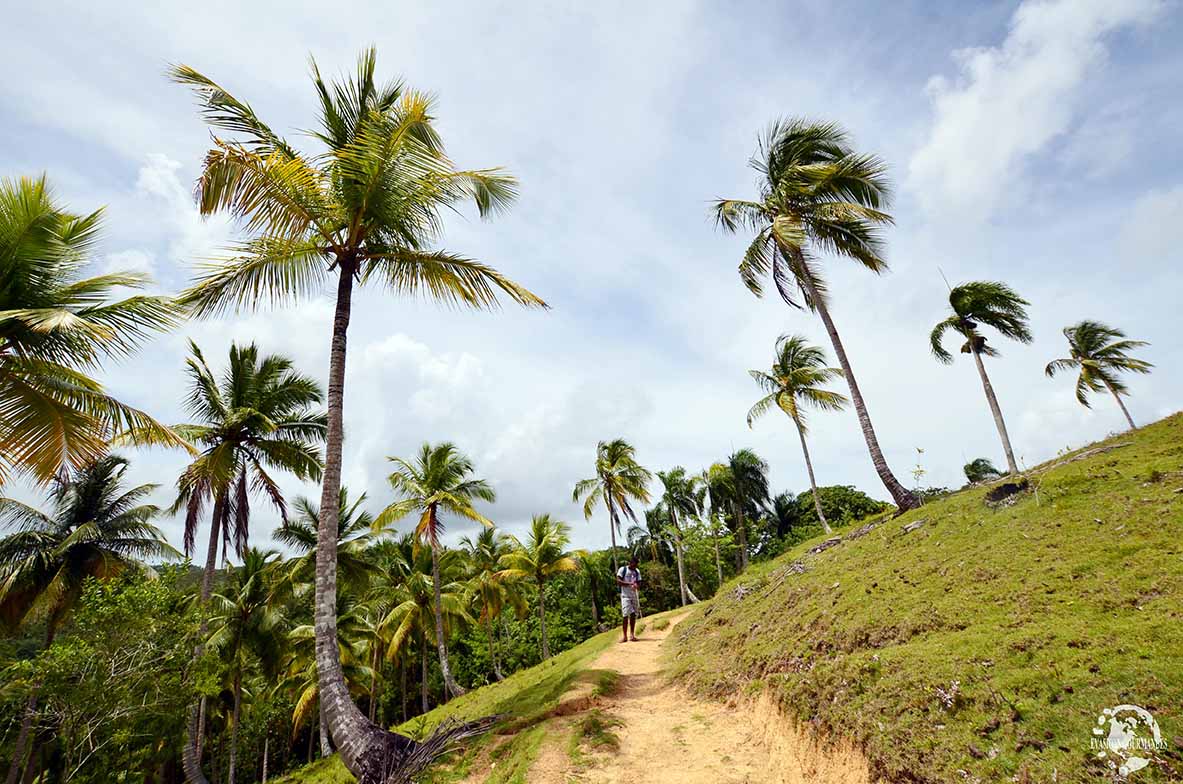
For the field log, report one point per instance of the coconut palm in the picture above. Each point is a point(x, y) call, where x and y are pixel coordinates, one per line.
point(714, 481)
point(96, 527)
point(354, 536)
point(980, 469)
point(816, 195)
point(540, 558)
point(742, 486)
point(410, 570)
point(366, 210)
point(993, 305)
point(680, 501)
point(246, 625)
point(260, 416)
point(795, 383)
point(55, 327)
point(492, 594)
point(439, 480)
point(619, 481)
point(1100, 353)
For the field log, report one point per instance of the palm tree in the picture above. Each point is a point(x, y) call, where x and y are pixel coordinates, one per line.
point(980, 469)
point(260, 416)
point(367, 209)
point(354, 536)
point(995, 305)
point(246, 625)
point(743, 485)
point(795, 382)
point(96, 528)
point(1100, 353)
point(540, 558)
point(816, 194)
point(55, 327)
point(410, 570)
point(485, 552)
point(715, 480)
point(619, 481)
point(679, 498)
point(438, 480)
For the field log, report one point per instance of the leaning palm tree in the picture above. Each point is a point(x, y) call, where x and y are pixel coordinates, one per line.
point(246, 626)
point(816, 195)
point(795, 382)
point(619, 481)
point(366, 210)
point(680, 500)
point(439, 480)
point(994, 305)
point(55, 328)
point(540, 558)
point(96, 528)
point(1100, 353)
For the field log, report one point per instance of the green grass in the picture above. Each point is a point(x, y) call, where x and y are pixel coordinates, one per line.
point(1042, 613)
point(594, 732)
point(661, 624)
point(607, 683)
point(524, 698)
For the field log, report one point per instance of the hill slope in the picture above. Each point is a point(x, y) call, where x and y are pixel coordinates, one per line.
point(964, 642)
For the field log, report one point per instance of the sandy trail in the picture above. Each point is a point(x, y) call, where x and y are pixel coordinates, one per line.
point(670, 737)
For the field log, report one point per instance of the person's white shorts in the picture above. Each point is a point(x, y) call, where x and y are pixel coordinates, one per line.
point(629, 605)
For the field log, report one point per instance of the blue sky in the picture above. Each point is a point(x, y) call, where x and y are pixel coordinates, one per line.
point(1031, 142)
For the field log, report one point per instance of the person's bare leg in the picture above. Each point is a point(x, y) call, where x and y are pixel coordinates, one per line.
point(632, 620)
point(625, 639)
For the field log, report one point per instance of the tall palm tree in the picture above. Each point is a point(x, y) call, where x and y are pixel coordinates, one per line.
point(1100, 353)
point(492, 594)
point(619, 481)
point(715, 479)
point(246, 625)
point(55, 327)
point(96, 527)
point(540, 558)
point(410, 569)
point(367, 209)
point(995, 305)
point(260, 416)
point(816, 195)
point(680, 500)
point(439, 479)
point(795, 382)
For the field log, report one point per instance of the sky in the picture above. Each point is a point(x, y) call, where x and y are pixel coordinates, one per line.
point(1034, 143)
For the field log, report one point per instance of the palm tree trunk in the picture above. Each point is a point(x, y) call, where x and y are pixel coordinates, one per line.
point(817, 501)
point(678, 554)
point(366, 750)
point(374, 679)
point(904, 499)
point(194, 749)
point(402, 685)
point(997, 412)
point(450, 686)
point(741, 531)
point(492, 646)
point(423, 702)
point(1124, 410)
point(612, 530)
point(22, 738)
point(233, 766)
point(266, 744)
point(595, 605)
point(311, 738)
point(326, 742)
point(542, 619)
point(718, 559)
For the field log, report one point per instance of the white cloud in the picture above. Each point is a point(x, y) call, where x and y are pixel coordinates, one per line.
point(129, 261)
point(1008, 102)
point(1154, 230)
point(192, 237)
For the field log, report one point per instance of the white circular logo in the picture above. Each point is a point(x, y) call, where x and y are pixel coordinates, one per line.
point(1126, 737)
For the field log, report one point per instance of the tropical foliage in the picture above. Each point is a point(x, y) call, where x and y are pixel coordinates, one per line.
point(1100, 354)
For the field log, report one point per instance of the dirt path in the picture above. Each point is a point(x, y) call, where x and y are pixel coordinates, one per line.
point(670, 737)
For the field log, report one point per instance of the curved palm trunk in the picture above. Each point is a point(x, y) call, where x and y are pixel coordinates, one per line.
point(266, 744)
point(451, 687)
point(997, 412)
point(903, 498)
point(612, 523)
point(542, 619)
point(326, 744)
point(368, 751)
point(232, 768)
point(678, 555)
point(1124, 410)
point(817, 502)
point(22, 738)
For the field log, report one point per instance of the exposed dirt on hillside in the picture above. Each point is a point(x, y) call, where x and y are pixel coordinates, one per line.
point(669, 737)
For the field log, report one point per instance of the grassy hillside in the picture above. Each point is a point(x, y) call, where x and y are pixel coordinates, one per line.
point(983, 644)
point(524, 699)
